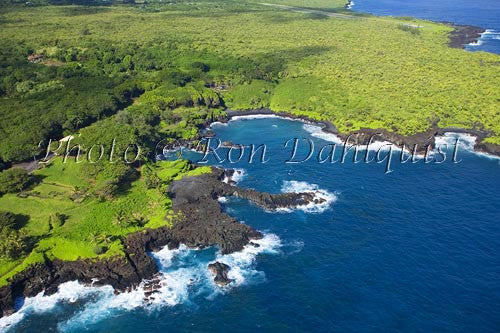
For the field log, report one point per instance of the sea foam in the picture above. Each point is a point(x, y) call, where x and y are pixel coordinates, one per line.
point(466, 142)
point(237, 176)
point(182, 277)
point(488, 34)
point(298, 187)
point(317, 132)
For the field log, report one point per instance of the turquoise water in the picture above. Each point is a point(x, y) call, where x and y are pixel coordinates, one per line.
point(412, 250)
point(480, 13)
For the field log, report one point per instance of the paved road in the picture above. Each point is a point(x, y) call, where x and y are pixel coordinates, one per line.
point(310, 11)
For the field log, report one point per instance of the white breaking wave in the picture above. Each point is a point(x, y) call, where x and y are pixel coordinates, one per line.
point(218, 123)
point(479, 42)
point(264, 116)
point(242, 263)
point(181, 277)
point(68, 292)
point(466, 141)
point(257, 116)
point(490, 34)
point(294, 186)
point(237, 176)
point(486, 35)
point(318, 132)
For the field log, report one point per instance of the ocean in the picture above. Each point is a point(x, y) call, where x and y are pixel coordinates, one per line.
point(480, 13)
point(413, 250)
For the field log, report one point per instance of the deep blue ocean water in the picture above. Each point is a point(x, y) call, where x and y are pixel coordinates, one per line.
point(414, 250)
point(481, 13)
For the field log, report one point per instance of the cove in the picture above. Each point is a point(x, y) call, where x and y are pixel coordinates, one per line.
point(413, 250)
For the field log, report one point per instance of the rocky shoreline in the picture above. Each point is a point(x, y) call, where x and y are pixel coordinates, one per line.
point(361, 137)
point(462, 35)
point(202, 224)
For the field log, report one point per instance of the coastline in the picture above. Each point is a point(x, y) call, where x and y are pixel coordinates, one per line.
point(364, 134)
point(202, 224)
point(463, 35)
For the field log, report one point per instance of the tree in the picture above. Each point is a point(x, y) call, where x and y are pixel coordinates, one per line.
point(201, 66)
point(120, 219)
point(14, 180)
point(13, 243)
point(57, 220)
point(151, 178)
point(7, 220)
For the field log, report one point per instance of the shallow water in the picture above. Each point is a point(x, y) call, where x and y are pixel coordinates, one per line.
point(481, 13)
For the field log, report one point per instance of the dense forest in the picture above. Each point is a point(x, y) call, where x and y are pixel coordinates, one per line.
point(143, 71)
point(160, 69)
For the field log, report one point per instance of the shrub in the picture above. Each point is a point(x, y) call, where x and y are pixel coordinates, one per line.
point(99, 249)
point(13, 244)
point(151, 178)
point(57, 220)
point(7, 220)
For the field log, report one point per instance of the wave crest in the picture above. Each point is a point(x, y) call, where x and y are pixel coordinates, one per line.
point(294, 186)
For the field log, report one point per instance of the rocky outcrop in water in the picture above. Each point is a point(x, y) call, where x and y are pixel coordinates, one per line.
point(220, 271)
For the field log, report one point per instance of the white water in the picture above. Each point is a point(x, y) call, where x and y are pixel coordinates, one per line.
point(466, 142)
point(487, 34)
point(294, 186)
point(318, 132)
point(258, 116)
point(237, 176)
point(182, 277)
point(242, 263)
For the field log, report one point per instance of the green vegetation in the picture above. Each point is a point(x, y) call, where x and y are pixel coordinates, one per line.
point(65, 217)
point(170, 68)
point(326, 5)
point(14, 180)
point(119, 77)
